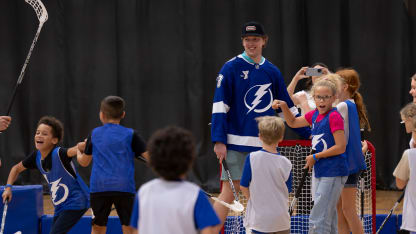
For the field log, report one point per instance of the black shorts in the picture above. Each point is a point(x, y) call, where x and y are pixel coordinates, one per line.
point(352, 180)
point(101, 204)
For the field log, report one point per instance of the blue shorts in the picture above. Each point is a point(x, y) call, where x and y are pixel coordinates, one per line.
point(352, 180)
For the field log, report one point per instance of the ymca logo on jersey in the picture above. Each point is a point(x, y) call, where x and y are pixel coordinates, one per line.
point(244, 75)
point(259, 98)
point(59, 192)
point(220, 77)
point(318, 139)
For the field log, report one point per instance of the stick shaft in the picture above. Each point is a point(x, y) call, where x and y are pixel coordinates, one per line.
point(3, 219)
point(22, 72)
point(362, 197)
point(224, 163)
point(391, 212)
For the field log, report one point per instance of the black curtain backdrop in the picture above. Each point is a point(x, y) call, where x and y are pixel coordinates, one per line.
point(163, 56)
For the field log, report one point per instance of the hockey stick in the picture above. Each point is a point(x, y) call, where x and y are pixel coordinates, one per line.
point(237, 207)
point(3, 219)
point(298, 190)
point(362, 197)
point(235, 202)
point(391, 211)
point(42, 15)
point(362, 181)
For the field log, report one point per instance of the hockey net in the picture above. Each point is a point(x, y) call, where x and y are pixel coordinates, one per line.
point(296, 151)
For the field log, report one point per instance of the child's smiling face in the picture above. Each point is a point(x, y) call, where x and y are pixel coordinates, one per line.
point(44, 139)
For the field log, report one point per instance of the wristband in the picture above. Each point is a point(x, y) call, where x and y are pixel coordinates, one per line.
point(9, 186)
point(314, 157)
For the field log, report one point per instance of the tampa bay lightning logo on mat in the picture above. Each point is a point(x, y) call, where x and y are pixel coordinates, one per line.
point(259, 98)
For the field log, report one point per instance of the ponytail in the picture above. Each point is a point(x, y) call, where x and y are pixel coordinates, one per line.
point(350, 77)
point(362, 111)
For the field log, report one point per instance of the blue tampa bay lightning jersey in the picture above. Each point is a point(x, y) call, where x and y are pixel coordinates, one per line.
point(67, 192)
point(245, 90)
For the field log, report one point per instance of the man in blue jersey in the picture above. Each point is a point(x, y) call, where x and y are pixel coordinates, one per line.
point(113, 148)
point(245, 89)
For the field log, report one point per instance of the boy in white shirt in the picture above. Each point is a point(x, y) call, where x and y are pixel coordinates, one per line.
point(267, 181)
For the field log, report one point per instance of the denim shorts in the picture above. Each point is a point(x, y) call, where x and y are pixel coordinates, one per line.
point(235, 161)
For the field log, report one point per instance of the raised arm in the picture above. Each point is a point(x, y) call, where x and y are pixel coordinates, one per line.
point(298, 76)
point(72, 151)
point(291, 120)
point(14, 173)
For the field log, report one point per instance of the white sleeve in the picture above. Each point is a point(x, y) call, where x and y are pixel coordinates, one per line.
point(342, 108)
point(411, 143)
point(288, 169)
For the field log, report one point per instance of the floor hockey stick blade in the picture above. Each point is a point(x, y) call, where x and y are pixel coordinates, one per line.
point(236, 206)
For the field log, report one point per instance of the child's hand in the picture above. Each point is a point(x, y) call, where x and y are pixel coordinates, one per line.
point(310, 161)
point(81, 146)
point(278, 104)
point(7, 195)
point(364, 146)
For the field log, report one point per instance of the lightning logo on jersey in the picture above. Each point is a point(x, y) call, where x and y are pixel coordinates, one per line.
point(318, 138)
point(55, 185)
point(259, 98)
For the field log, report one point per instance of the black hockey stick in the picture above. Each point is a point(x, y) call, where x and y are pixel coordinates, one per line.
point(362, 196)
point(305, 172)
point(42, 15)
point(362, 180)
point(299, 188)
point(391, 211)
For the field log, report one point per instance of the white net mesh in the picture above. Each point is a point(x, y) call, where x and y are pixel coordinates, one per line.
point(40, 9)
point(296, 152)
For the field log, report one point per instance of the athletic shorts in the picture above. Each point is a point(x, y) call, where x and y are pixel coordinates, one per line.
point(101, 204)
point(235, 161)
point(352, 180)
